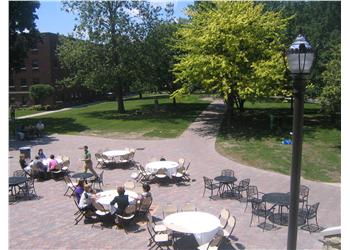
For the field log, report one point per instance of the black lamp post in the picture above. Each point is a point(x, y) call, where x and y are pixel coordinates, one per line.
point(300, 57)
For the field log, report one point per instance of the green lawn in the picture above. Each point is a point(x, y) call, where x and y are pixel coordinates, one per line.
point(26, 111)
point(251, 141)
point(140, 119)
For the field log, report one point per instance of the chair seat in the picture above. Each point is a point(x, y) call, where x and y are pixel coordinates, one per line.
point(126, 217)
point(205, 247)
point(101, 213)
point(134, 175)
point(160, 228)
point(161, 175)
point(65, 168)
point(178, 175)
point(161, 237)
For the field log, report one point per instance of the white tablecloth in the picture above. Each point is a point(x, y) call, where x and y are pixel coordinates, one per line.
point(169, 166)
point(45, 163)
point(116, 153)
point(105, 198)
point(202, 225)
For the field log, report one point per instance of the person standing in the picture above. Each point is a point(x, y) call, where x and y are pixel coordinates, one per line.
point(88, 162)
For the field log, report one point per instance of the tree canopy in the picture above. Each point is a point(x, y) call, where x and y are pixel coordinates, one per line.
point(23, 33)
point(233, 49)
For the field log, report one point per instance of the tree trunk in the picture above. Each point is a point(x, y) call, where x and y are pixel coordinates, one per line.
point(174, 102)
point(140, 95)
point(120, 100)
point(291, 104)
point(229, 108)
point(241, 105)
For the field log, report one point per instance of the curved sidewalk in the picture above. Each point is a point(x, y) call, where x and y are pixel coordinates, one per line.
point(197, 145)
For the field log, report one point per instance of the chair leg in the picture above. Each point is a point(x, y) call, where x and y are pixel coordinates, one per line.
point(251, 220)
point(203, 192)
point(246, 205)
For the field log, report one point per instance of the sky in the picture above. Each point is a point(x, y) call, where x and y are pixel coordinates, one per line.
point(53, 19)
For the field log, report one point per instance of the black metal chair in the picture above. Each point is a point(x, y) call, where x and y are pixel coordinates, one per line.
point(242, 187)
point(252, 194)
point(303, 195)
point(309, 214)
point(259, 209)
point(209, 184)
point(98, 180)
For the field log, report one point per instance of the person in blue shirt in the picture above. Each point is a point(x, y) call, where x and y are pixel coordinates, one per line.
point(41, 154)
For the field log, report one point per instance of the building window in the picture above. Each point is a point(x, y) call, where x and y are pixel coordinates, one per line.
point(23, 66)
point(11, 84)
point(23, 83)
point(35, 64)
point(34, 48)
point(36, 81)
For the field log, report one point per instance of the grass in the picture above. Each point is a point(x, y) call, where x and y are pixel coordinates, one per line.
point(251, 141)
point(26, 111)
point(140, 119)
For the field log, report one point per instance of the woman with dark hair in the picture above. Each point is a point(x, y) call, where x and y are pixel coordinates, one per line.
point(79, 189)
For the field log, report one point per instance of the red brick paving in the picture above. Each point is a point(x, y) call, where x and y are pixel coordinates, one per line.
point(48, 222)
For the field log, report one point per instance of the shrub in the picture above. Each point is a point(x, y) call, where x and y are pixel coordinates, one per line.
point(40, 91)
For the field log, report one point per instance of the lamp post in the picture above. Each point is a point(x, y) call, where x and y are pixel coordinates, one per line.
point(300, 57)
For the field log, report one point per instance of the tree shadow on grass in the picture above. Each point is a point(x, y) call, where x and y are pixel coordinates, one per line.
point(164, 114)
point(52, 126)
point(256, 124)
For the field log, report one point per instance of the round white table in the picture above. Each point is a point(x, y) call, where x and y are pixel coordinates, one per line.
point(169, 166)
point(202, 225)
point(105, 198)
point(116, 153)
point(45, 163)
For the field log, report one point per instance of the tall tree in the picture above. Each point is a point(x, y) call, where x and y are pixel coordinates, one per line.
point(23, 33)
point(233, 49)
point(110, 27)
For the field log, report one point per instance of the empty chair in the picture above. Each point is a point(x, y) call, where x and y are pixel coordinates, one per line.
point(242, 186)
point(252, 194)
point(157, 239)
point(161, 174)
point(309, 214)
point(303, 195)
point(188, 207)
point(99, 160)
point(145, 175)
point(19, 173)
point(223, 217)
point(228, 172)
point(231, 223)
point(98, 180)
point(259, 209)
point(157, 228)
point(28, 188)
point(214, 244)
point(211, 185)
point(169, 209)
point(187, 173)
point(179, 175)
point(106, 160)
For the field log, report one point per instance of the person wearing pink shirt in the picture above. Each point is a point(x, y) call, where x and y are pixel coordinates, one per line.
point(52, 163)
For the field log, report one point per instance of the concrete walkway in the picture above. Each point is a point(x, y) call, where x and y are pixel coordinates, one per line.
point(50, 219)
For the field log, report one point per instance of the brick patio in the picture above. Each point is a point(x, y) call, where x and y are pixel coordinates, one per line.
point(48, 222)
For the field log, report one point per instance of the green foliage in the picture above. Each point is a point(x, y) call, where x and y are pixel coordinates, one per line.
point(23, 33)
point(40, 91)
point(232, 48)
point(331, 93)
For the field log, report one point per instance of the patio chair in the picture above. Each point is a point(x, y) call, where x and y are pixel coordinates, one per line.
point(145, 175)
point(211, 185)
point(228, 172)
point(252, 194)
point(187, 173)
point(181, 162)
point(180, 174)
point(70, 185)
point(65, 164)
point(231, 224)
point(98, 180)
point(161, 174)
point(158, 239)
point(242, 187)
point(127, 216)
point(145, 205)
point(101, 213)
point(20, 173)
point(214, 244)
point(137, 175)
point(188, 207)
point(169, 209)
point(157, 228)
point(28, 189)
point(303, 195)
point(223, 217)
point(259, 209)
point(99, 159)
point(309, 214)
point(80, 213)
point(106, 160)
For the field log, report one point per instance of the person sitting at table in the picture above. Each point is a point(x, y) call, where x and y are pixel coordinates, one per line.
point(79, 189)
point(122, 201)
point(41, 154)
point(86, 200)
point(88, 162)
point(53, 164)
point(39, 164)
point(146, 191)
point(22, 161)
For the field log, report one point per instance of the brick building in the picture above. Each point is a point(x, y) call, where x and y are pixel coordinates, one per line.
point(41, 67)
